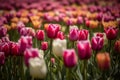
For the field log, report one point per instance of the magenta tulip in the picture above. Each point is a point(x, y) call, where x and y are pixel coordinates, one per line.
point(40, 35)
point(83, 34)
point(60, 35)
point(44, 46)
point(84, 49)
point(97, 43)
point(73, 34)
point(52, 30)
point(2, 58)
point(70, 58)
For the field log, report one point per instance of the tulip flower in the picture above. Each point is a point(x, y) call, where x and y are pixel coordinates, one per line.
point(79, 20)
point(44, 46)
point(30, 53)
point(117, 46)
point(24, 43)
point(52, 30)
point(60, 35)
point(59, 46)
point(97, 43)
point(40, 35)
point(73, 34)
point(83, 34)
point(53, 60)
point(111, 33)
point(37, 68)
point(2, 58)
point(69, 58)
point(5, 48)
point(84, 50)
point(3, 31)
point(103, 60)
point(20, 25)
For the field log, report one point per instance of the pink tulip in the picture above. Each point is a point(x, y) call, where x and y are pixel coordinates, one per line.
point(111, 33)
point(117, 46)
point(73, 34)
point(70, 58)
point(2, 58)
point(44, 46)
point(30, 53)
point(52, 30)
point(40, 35)
point(84, 50)
point(83, 34)
point(97, 43)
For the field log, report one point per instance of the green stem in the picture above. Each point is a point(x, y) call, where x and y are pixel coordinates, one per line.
point(68, 75)
point(85, 70)
point(110, 42)
point(22, 68)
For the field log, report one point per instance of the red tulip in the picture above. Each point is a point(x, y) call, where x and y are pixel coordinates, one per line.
point(97, 43)
point(103, 60)
point(83, 34)
point(44, 46)
point(40, 35)
point(84, 50)
point(70, 58)
point(52, 30)
point(111, 33)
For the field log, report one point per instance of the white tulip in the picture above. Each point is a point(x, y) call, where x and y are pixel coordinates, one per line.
point(59, 46)
point(37, 67)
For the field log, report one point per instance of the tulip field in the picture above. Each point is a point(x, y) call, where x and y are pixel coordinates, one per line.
point(59, 40)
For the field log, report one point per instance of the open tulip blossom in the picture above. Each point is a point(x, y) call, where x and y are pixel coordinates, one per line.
point(59, 39)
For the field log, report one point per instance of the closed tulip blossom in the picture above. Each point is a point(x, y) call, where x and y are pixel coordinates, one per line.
point(83, 34)
point(73, 34)
point(2, 58)
point(40, 35)
point(69, 58)
point(20, 25)
point(97, 43)
point(111, 33)
point(24, 43)
point(44, 46)
point(59, 46)
point(103, 60)
point(3, 31)
point(84, 49)
point(37, 68)
point(52, 30)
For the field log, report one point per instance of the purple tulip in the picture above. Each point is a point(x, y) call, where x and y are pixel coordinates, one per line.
point(3, 31)
point(97, 43)
point(84, 49)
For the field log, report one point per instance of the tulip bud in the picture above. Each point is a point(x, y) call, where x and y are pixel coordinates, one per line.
point(84, 50)
point(2, 58)
point(69, 58)
point(111, 33)
point(52, 30)
point(40, 35)
point(117, 46)
point(20, 25)
point(83, 34)
point(59, 46)
point(60, 35)
point(73, 34)
point(15, 49)
point(53, 60)
point(37, 68)
point(30, 53)
point(103, 60)
point(97, 43)
point(44, 46)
